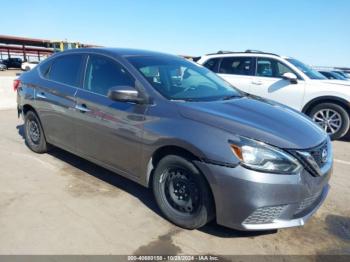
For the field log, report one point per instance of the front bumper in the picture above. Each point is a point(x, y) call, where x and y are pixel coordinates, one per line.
point(250, 200)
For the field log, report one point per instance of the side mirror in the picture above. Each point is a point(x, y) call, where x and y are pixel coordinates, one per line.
point(291, 77)
point(125, 94)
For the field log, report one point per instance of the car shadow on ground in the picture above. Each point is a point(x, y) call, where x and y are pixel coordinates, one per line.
point(345, 138)
point(143, 194)
point(339, 226)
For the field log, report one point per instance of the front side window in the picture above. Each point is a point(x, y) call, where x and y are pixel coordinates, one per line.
point(178, 79)
point(66, 69)
point(237, 66)
point(267, 67)
point(311, 73)
point(103, 73)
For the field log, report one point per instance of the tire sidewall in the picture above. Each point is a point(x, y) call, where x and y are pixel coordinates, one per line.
point(341, 111)
point(41, 146)
point(205, 210)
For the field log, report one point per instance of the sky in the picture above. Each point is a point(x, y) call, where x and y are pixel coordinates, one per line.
point(314, 31)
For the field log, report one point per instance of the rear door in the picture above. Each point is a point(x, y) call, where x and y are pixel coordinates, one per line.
point(238, 71)
point(55, 101)
point(268, 83)
point(108, 132)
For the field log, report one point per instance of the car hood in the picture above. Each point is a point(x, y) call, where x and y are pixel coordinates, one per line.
point(258, 119)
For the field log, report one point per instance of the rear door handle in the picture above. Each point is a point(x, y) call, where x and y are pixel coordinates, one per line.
point(82, 108)
point(258, 83)
point(41, 95)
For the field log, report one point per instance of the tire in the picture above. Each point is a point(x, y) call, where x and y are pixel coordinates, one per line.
point(34, 134)
point(177, 178)
point(336, 111)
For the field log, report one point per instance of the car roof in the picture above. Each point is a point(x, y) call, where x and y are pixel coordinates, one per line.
point(249, 54)
point(246, 52)
point(124, 52)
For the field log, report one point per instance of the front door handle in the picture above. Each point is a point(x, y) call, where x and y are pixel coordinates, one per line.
point(41, 95)
point(82, 108)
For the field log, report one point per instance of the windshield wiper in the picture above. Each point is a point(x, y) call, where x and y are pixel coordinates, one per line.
point(206, 99)
point(230, 97)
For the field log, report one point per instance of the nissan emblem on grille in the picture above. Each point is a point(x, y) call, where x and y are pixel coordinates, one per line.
point(324, 155)
point(315, 158)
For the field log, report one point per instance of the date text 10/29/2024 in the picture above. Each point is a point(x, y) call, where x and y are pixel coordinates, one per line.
point(173, 258)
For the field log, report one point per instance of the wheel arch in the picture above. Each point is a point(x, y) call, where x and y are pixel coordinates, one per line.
point(326, 99)
point(165, 150)
point(28, 107)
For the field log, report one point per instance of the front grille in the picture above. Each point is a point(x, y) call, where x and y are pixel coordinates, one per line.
point(314, 164)
point(317, 153)
point(265, 215)
point(308, 202)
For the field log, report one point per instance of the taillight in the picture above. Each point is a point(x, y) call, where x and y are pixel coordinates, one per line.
point(16, 84)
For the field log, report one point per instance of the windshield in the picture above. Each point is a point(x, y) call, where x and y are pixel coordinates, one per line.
point(311, 73)
point(179, 79)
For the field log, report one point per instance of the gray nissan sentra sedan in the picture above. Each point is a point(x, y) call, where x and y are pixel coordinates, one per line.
point(207, 150)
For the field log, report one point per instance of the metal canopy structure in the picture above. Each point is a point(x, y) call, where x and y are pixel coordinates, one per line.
point(14, 40)
point(26, 47)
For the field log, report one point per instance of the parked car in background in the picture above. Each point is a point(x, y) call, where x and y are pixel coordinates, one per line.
point(13, 62)
point(26, 66)
point(2, 66)
point(333, 75)
point(288, 81)
point(344, 74)
point(206, 149)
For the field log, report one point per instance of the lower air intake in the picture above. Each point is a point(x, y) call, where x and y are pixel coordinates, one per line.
point(265, 215)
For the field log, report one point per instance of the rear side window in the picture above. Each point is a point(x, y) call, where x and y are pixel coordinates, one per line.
point(66, 69)
point(237, 66)
point(212, 64)
point(103, 73)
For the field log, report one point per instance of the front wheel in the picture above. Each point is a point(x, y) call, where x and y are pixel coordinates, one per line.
point(182, 193)
point(332, 118)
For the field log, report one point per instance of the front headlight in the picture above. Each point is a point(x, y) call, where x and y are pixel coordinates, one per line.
point(262, 157)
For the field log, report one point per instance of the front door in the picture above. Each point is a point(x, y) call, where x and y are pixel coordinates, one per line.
point(268, 83)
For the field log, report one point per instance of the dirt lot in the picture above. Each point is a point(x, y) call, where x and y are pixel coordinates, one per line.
point(58, 203)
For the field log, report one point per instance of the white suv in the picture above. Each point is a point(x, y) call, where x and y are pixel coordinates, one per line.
point(288, 81)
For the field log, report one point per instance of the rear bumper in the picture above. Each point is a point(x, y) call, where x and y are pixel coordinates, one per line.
point(250, 200)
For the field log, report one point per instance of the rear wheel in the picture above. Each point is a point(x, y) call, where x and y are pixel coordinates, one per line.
point(182, 193)
point(332, 118)
point(33, 132)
